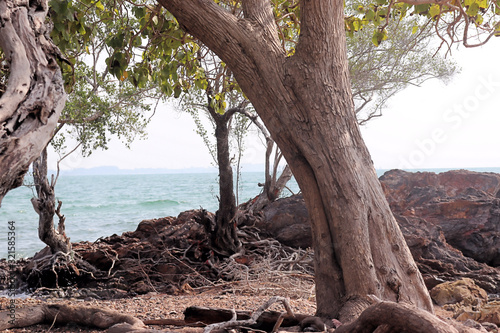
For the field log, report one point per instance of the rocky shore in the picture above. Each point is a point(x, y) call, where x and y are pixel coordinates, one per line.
point(451, 222)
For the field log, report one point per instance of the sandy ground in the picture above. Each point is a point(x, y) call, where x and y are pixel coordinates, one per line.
point(158, 306)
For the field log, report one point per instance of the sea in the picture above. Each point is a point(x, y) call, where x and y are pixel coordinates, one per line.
point(97, 206)
point(102, 205)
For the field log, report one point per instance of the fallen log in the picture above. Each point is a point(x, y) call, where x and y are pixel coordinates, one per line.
point(63, 314)
point(265, 322)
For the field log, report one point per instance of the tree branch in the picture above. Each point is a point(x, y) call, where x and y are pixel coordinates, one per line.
point(12, 46)
point(320, 24)
point(29, 123)
point(219, 30)
point(261, 12)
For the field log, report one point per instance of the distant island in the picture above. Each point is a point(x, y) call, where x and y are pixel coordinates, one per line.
point(114, 170)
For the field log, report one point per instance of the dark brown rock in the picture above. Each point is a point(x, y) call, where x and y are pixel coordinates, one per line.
point(287, 221)
point(465, 204)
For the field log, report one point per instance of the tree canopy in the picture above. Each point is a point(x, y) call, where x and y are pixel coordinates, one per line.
point(146, 44)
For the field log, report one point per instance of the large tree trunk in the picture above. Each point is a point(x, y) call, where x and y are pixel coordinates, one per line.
point(305, 101)
point(34, 97)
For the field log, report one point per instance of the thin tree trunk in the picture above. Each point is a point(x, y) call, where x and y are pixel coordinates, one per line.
point(224, 239)
point(45, 206)
point(34, 97)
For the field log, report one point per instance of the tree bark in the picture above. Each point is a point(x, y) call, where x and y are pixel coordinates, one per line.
point(64, 314)
point(45, 206)
point(394, 317)
point(305, 101)
point(224, 239)
point(266, 321)
point(34, 97)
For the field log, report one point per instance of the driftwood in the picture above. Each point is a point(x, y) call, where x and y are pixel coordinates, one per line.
point(62, 314)
point(254, 318)
point(266, 321)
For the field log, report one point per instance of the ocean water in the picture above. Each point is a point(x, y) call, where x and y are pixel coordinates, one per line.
point(101, 205)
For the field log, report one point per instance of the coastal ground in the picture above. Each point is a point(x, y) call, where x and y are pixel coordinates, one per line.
point(160, 306)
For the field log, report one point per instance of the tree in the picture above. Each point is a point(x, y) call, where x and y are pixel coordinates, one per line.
point(305, 101)
point(304, 98)
point(34, 96)
point(230, 116)
point(406, 58)
point(378, 72)
point(303, 95)
point(98, 106)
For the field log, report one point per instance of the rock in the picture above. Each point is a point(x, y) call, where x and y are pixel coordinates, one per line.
point(490, 327)
point(465, 204)
point(474, 324)
point(287, 221)
point(488, 313)
point(463, 291)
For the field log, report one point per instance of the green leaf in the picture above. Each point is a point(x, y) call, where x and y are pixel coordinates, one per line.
point(479, 19)
point(99, 5)
point(379, 36)
point(177, 91)
point(414, 29)
point(420, 9)
point(434, 10)
point(370, 15)
point(139, 12)
point(473, 9)
point(482, 3)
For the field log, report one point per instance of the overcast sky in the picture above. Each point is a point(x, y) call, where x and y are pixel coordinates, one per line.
point(433, 126)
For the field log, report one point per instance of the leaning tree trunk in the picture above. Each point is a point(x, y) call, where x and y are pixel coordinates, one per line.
point(224, 239)
point(34, 97)
point(45, 206)
point(305, 101)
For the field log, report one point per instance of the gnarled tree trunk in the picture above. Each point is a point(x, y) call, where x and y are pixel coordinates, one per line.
point(305, 101)
point(45, 206)
point(34, 97)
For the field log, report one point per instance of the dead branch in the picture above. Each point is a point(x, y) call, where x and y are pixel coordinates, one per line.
point(258, 318)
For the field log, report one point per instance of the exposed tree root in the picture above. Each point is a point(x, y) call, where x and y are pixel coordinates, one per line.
point(57, 270)
point(391, 317)
point(63, 314)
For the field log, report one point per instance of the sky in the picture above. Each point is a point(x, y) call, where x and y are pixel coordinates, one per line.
point(433, 126)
